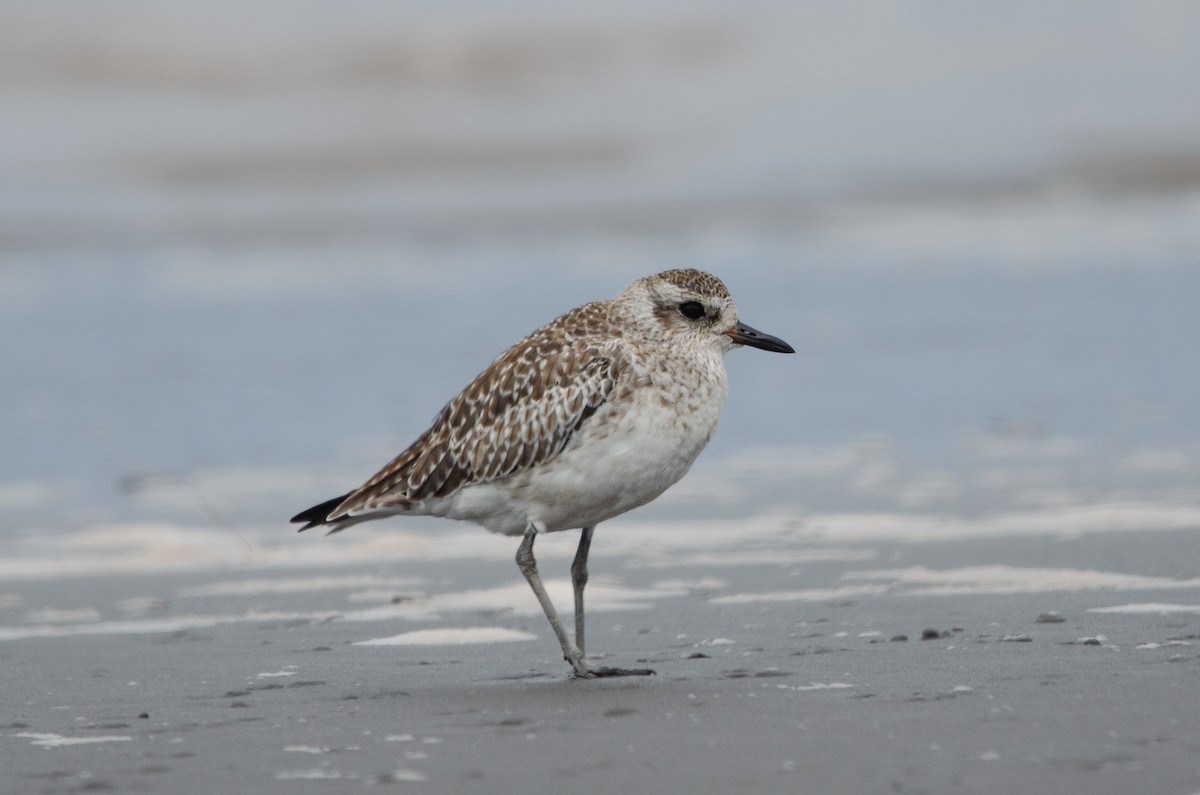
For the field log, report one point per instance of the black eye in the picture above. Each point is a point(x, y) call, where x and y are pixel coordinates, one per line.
point(692, 310)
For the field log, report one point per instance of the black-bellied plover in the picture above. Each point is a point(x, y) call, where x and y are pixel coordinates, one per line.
point(590, 416)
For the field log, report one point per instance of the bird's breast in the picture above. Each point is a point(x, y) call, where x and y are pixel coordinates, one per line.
point(630, 451)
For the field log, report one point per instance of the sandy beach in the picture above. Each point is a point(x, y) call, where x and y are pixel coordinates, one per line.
point(977, 665)
point(247, 251)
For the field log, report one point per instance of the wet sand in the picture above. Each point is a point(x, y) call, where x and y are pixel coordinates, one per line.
point(1021, 664)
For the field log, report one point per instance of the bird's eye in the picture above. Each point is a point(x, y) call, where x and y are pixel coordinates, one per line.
point(692, 310)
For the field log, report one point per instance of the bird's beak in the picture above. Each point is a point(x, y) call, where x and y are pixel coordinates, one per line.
point(746, 335)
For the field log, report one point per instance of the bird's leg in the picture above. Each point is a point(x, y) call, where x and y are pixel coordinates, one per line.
point(571, 653)
point(579, 578)
point(528, 566)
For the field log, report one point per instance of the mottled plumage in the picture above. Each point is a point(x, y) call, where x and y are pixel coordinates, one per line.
point(593, 414)
point(519, 412)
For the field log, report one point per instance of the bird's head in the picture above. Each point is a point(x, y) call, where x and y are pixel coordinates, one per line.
point(689, 306)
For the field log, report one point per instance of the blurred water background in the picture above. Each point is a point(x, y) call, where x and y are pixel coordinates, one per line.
point(248, 250)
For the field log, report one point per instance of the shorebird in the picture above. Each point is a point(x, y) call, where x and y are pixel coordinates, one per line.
point(594, 414)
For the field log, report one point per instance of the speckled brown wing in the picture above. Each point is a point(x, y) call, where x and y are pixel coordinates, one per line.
point(519, 412)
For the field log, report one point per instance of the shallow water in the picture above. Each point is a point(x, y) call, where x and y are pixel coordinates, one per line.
point(245, 256)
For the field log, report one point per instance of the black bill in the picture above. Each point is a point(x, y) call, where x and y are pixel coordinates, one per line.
point(747, 335)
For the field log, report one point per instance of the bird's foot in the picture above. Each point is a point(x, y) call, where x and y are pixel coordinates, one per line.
point(581, 670)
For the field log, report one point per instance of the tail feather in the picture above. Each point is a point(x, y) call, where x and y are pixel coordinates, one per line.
point(319, 514)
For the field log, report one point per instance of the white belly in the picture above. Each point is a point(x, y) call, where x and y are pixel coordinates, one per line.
point(625, 456)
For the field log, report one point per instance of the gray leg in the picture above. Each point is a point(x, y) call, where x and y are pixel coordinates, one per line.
point(571, 653)
point(528, 566)
point(579, 578)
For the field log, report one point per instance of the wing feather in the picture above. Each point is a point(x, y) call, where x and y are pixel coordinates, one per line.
point(519, 413)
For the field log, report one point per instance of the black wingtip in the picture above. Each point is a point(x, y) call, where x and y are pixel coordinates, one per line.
point(316, 515)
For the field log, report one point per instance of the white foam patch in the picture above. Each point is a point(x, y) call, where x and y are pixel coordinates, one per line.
point(516, 598)
point(513, 599)
point(1147, 608)
point(717, 642)
point(53, 615)
point(151, 626)
point(637, 541)
point(158, 548)
point(808, 595)
point(258, 587)
point(764, 557)
point(59, 741)
point(921, 581)
point(783, 539)
point(125, 549)
point(458, 636)
point(1063, 522)
point(647, 543)
point(701, 584)
point(816, 686)
point(604, 595)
